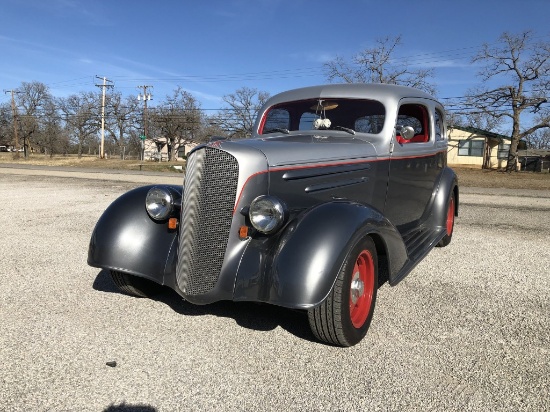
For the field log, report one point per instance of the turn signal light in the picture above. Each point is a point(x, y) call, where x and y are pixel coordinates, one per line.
point(173, 223)
point(243, 232)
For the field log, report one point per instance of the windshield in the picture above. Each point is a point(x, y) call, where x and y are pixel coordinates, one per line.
point(349, 115)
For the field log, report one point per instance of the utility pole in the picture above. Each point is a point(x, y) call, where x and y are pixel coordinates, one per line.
point(104, 87)
point(14, 114)
point(146, 97)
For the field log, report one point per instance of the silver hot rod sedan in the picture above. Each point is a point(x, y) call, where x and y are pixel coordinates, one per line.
point(341, 188)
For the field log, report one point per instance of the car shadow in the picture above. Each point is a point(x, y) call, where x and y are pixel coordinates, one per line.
point(250, 315)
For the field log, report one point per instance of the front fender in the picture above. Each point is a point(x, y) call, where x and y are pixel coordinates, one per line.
point(302, 269)
point(126, 239)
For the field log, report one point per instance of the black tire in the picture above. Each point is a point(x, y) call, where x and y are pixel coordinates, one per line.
point(449, 222)
point(135, 285)
point(343, 318)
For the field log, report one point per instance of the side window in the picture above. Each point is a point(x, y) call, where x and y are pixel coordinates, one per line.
point(416, 116)
point(276, 119)
point(439, 128)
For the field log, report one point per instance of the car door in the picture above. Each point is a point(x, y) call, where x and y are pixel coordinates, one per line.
point(415, 165)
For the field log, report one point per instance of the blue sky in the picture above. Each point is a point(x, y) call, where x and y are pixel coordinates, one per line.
point(211, 48)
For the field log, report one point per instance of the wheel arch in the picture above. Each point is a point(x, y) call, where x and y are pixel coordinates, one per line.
point(382, 254)
point(447, 184)
point(312, 249)
point(126, 239)
point(457, 198)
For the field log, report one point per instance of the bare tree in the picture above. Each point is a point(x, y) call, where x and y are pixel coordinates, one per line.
point(379, 65)
point(179, 120)
point(212, 127)
point(50, 134)
point(477, 119)
point(31, 99)
point(81, 117)
point(539, 140)
point(522, 66)
point(122, 118)
point(6, 125)
point(238, 119)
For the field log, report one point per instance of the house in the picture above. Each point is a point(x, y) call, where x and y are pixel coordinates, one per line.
point(157, 150)
point(469, 146)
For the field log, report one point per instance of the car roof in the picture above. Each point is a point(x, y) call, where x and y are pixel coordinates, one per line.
point(383, 92)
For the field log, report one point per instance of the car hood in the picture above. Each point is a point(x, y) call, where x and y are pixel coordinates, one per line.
point(282, 150)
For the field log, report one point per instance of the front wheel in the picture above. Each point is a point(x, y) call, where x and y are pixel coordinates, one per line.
point(343, 318)
point(135, 285)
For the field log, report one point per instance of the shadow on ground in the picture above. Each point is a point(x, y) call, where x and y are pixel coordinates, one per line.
point(126, 407)
point(251, 315)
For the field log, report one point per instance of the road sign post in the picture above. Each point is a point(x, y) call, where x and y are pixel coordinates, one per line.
point(142, 137)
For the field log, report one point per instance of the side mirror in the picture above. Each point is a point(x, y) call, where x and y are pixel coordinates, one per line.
point(406, 132)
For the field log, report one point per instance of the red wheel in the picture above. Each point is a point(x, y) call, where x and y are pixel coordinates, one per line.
point(451, 216)
point(361, 289)
point(449, 222)
point(344, 317)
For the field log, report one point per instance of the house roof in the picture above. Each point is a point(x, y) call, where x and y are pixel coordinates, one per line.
point(534, 153)
point(486, 133)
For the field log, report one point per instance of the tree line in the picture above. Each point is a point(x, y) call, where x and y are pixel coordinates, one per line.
point(514, 75)
point(39, 122)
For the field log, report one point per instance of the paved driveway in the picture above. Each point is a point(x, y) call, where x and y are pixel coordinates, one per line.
point(468, 329)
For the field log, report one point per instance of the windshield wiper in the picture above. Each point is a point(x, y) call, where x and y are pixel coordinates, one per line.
point(277, 129)
point(345, 129)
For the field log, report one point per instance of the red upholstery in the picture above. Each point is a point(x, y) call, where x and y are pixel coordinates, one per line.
point(420, 112)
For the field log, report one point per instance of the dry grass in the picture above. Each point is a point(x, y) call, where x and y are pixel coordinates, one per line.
point(475, 177)
point(90, 162)
point(468, 177)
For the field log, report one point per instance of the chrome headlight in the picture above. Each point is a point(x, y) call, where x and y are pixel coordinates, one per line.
point(159, 203)
point(267, 214)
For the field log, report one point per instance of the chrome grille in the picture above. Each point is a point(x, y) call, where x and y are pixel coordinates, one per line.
point(209, 195)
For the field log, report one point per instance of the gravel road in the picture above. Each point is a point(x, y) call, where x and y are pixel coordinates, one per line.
point(467, 330)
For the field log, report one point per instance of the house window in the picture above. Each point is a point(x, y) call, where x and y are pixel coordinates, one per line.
point(471, 148)
point(503, 150)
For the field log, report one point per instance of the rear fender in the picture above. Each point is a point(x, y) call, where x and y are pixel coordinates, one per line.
point(448, 184)
point(126, 239)
point(302, 270)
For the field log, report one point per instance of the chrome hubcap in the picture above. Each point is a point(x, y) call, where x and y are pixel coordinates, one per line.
point(357, 288)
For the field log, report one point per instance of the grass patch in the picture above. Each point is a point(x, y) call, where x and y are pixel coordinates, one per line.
point(91, 162)
point(477, 177)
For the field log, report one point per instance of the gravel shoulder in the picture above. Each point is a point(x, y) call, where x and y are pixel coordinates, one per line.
point(467, 330)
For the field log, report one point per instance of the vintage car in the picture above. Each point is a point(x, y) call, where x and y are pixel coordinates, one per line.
point(340, 189)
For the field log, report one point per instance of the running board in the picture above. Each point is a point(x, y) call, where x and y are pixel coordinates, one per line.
point(418, 242)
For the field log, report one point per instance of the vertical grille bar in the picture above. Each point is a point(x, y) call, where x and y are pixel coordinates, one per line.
point(209, 196)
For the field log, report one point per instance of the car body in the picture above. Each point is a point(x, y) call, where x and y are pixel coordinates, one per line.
point(340, 188)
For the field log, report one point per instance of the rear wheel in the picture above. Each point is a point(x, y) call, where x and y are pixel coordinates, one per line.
point(135, 285)
point(449, 222)
point(344, 317)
